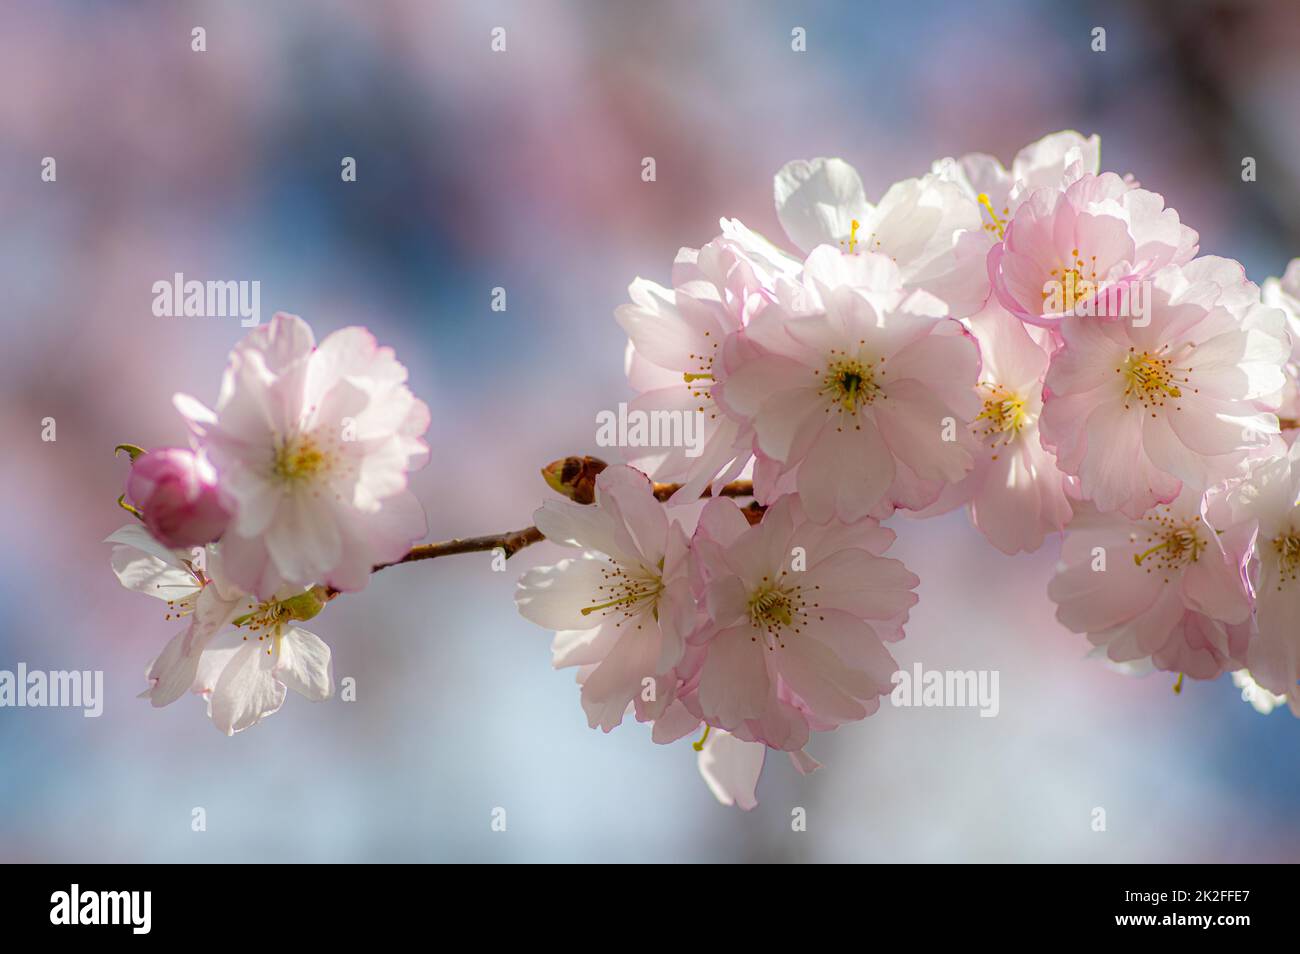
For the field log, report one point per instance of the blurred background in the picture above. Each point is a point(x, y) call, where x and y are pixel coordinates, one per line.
point(522, 170)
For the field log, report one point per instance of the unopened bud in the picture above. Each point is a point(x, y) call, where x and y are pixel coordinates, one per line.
point(176, 494)
point(574, 477)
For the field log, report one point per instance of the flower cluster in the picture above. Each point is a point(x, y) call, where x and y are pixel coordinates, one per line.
point(294, 488)
point(1040, 343)
point(764, 631)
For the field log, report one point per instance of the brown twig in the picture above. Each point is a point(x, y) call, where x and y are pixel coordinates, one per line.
point(513, 541)
point(737, 488)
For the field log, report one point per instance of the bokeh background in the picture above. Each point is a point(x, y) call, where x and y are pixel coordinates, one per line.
point(522, 170)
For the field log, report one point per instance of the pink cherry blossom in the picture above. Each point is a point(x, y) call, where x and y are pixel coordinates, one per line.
point(680, 342)
point(176, 492)
point(1284, 293)
point(623, 607)
point(1169, 586)
point(797, 615)
point(1016, 492)
point(1054, 162)
point(1269, 498)
point(868, 400)
point(1136, 411)
point(929, 227)
point(240, 654)
point(312, 446)
point(1069, 252)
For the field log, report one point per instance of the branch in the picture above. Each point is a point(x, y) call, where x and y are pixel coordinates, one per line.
point(511, 542)
point(737, 488)
point(575, 478)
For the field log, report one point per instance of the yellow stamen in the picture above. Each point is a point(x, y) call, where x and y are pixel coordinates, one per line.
point(774, 609)
point(1004, 410)
point(1183, 545)
point(1287, 548)
point(1151, 378)
point(1172, 544)
point(630, 598)
point(299, 459)
point(998, 226)
point(854, 225)
point(850, 383)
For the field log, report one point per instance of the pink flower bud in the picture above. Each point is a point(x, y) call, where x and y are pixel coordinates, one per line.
point(177, 493)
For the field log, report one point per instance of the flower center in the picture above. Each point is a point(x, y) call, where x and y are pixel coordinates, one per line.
point(1287, 548)
point(1004, 416)
point(1151, 378)
point(1172, 544)
point(183, 606)
point(267, 619)
point(625, 593)
point(849, 383)
point(997, 225)
point(1071, 284)
point(700, 383)
point(775, 609)
point(852, 242)
point(300, 459)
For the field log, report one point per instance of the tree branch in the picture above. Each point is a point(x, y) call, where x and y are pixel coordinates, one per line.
point(737, 488)
point(511, 542)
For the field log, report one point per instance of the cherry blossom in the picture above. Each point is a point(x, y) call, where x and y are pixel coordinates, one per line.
point(1016, 491)
point(1054, 162)
point(680, 343)
point(1169, 586)
point(312, 446)
point(1070, 252)
point(180, 579)
point(1284, 293)
point(1135, 410)
point(624, 605)
point(1270, 500)
point(868, 399)
point(797, 615)
point(928, 226)
point(1038, 342)
point(239, 653)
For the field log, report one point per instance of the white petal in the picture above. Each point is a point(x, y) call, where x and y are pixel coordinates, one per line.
point(731, 767)
point(304, 665)
point(247, 690)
